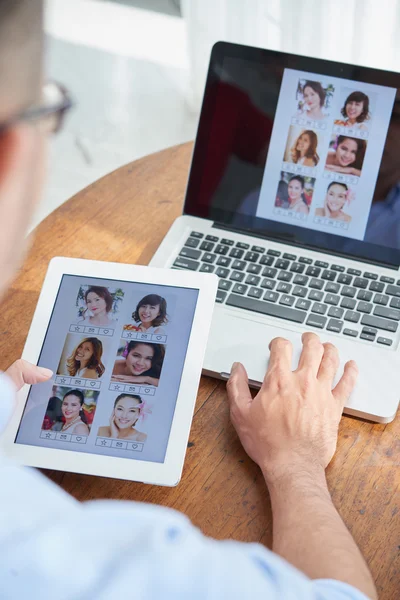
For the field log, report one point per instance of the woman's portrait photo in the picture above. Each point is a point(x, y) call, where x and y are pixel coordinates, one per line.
point(313, 99)
point(139, 362)
point(295, 193)
point(302, 147)
point(337, 196)
point(150, 315)
point(82, 357)
point(98, 306)
point(346, 155)
point(70, 410)
point(128, 411)
point(355, 112)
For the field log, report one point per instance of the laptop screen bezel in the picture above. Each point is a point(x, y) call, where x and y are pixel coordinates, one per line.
point(265, 228)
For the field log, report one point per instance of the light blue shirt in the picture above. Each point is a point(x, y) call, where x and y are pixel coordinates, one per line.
point(53, 547)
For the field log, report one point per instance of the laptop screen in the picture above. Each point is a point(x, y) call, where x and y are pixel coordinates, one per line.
point(302, 150)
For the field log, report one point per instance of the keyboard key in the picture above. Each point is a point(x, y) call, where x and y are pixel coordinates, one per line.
point(328, 275)
point(266, 308)
point(271, 296)
point(227, 242)
point(266, 260)
point(343, 278)
point(338, 268)
point(386, 279)
point(258, 249)
point(220, 296)
point(252, 256)
point(348, 291)
point(196, 234)
point(376, 286)
point(236, 276)
point(236, 253)
point(370, 330)
point(332, 288)
point(224, 261)
point(369, 275)
point(185, 263)
point(348, 303)
point(335, 312)
point(303, 304)
point(367, 336)
point(273, 252)
point(192, 242)
point(334, 325)
point(208, 257)
point(352, 316)
point(207, 246)
point(364, 307)
point(319, 308)
point(289, 256)
point(242, 246)
point(359, 282)
point(190, 253)
point(300, 280)
point(253, 279)
point(385, 341)
point(239, 288)
point(282, 264)
point(315, 295)
point(221, 272)
point(286, 300)
point(220, 249)
point(313, 271)
point(316, 284)
point(268, 284)
point(286, 288)
point(254, 269)
point(205, 268)
point(395, 302)
point(364, 295)
point(285, 276)
point(355, 272)
point(239, 265)
point(297, 268)
point(211, 238)
point(322, 264)
point(269, 272)
point(350, 332)
point(305, 260)
point(255, 292)
point(332, 299)
point(316, 321)
point(388, 313)
point(379, 323)
point(382, 299)
point(224, 284)
point(393, 290)
point(299, 291)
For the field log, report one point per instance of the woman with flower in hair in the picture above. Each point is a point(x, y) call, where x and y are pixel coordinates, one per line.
point(141, 363)
point(336, 197)
point(128, 410)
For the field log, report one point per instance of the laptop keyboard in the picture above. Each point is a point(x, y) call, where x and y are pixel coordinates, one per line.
point(296, 288)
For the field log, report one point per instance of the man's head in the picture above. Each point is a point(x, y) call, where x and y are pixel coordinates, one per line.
point(22, 145)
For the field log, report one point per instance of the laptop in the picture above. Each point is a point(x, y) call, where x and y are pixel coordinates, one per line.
point(293, 201)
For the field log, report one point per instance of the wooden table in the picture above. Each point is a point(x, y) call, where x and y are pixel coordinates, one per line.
point(123, 218)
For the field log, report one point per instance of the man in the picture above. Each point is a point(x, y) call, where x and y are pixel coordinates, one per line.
point(53, 547)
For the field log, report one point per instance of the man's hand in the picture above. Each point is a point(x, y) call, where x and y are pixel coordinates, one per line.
point(294, 418)
point(22, 372)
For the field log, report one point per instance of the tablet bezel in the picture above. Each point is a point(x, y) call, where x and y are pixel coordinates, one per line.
point(166, 473)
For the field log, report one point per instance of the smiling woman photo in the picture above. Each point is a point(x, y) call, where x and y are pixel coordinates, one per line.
point(348, 157)
point(85, 360)
point(75, 421)
point(128, 409)
point(355, 111)
point(314, 97)
point(141, 363)
point(99, 303)
point(151, 313)
point(336, 197)
point(304, 150)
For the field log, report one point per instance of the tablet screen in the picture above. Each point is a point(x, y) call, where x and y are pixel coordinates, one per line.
point(117, 350)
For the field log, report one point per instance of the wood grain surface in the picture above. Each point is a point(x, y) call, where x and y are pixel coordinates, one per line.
point(123, 217)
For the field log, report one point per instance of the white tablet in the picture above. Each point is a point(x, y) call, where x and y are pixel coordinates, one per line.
point(126, 346)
